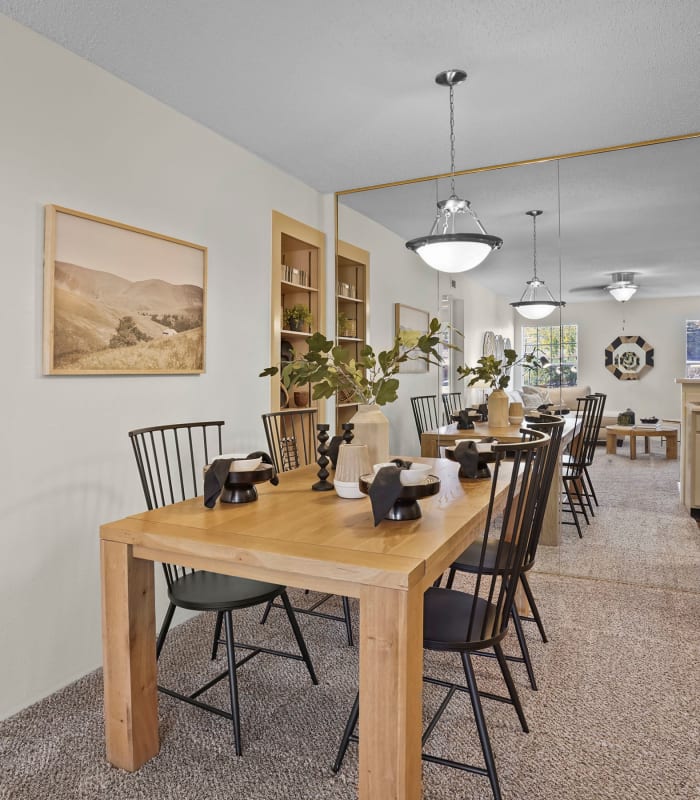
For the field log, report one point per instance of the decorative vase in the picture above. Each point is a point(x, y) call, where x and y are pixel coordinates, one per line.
point(498, 409)
point(372, 428)
point(515, 413)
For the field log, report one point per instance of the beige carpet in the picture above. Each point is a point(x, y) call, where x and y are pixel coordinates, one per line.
point(616, 715)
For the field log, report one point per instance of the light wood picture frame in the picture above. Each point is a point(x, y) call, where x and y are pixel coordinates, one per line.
point(120, 299)
point(411, 319)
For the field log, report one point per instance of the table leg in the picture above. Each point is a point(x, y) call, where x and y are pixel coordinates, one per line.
point(129, 657)
point(611, 443)
point(633, 446)
point(671, 445)
point(646, 445)
point(428, 446)
point(391, 674)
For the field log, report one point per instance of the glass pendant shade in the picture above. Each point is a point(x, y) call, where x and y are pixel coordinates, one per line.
point(444, 248)
point(537, 301)
point(454, 252)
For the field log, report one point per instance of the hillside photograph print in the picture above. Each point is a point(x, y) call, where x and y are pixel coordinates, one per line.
point(119, 299)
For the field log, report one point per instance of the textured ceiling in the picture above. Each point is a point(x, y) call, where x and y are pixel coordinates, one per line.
point(342, 94)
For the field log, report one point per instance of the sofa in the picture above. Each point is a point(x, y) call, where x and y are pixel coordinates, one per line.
point(533, 396)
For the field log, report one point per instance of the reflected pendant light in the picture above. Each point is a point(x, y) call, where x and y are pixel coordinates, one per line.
point(623, 286)
point(537, 301)
point(443, 248)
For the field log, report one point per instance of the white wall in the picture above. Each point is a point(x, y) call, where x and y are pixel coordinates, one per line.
point(661, 323)
point(74, 136)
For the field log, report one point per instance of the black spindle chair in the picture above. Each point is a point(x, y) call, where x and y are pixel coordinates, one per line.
point(452, 403)
point(170, 461)
point(464, 623)
point(425, 413)
point(291, 438)
point(574, 464)
point(470, 560)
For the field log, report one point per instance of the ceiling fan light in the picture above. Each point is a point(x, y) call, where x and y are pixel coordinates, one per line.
point(622, 293)
point(454, 252)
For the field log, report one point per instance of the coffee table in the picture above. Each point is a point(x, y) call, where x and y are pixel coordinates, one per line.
point(615, 432)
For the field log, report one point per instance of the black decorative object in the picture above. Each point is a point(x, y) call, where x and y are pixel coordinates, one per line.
point(240, 486)
point(322, 485)
point(483, 409)
point(466, 418)
point(405, 507)
point(472, 463)
point(348, 435)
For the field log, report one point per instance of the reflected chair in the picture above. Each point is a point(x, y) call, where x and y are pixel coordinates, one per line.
point(170, 461)
point(291, 439)
point(592, 441)
point(574, 464)
point(470, 559)
point(464, 623)
point(425, 413)
point(452, 403)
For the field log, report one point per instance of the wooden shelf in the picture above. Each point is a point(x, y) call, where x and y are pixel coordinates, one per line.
point(349, 339)
point(295, 246)
point(342, 298)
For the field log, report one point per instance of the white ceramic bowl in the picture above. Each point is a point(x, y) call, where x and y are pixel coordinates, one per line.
point(241, 462)
point(350, 490)
point(377, 467)
point(416, 474)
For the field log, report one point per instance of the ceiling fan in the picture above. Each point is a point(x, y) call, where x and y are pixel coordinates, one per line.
point(621, 288)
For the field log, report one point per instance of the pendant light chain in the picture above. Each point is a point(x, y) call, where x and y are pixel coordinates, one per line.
point(452, 140)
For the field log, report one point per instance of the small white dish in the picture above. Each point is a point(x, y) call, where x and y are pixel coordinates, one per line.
point(416, 474)
point(350, 490)
point(241, 462)
point(484, 447)
point(377, 467)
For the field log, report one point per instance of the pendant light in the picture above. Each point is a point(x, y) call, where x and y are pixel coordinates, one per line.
point(623, 286)
point(443, 248)
point(537, 301)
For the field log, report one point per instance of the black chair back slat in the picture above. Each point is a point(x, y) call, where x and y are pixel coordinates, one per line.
point(585, 411)
point(291, 437)
point(452, 403)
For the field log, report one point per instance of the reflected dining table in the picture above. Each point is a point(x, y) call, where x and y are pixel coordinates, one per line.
point(433, 441)
point(301, 538)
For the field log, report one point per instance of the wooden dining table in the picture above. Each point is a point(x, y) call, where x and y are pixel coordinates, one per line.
point(433, 441)
point(302, 538)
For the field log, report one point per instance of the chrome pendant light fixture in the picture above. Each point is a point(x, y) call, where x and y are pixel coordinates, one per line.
point(623, 286)
point(443, 248)
point(537, 301)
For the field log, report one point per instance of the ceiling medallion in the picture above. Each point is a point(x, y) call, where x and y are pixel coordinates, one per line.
point(629, 357)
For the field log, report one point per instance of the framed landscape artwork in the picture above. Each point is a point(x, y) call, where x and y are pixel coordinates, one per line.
point(119, 299)
point(408, 318)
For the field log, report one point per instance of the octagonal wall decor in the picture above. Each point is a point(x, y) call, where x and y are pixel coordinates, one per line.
point(629, 357)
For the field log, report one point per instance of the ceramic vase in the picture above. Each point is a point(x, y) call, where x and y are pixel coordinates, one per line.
point(372, 428)
point(353, 461)
point(498, 409)
point(515, 413)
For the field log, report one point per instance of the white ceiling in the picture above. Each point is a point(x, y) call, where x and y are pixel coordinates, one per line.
point(342, 94)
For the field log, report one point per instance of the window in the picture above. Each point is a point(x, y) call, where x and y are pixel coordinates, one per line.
point(559, 344)
point(692, 348)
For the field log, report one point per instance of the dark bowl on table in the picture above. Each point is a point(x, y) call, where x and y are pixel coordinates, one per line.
point(649, 420)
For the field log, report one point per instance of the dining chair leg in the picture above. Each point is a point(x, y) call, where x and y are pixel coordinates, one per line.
point(524, 649)
point(590, 485)
point(451, 578)
point(572, 508)
point(348, 620)
point(582, 505)
point(512, 691)
point(481, 725)
point(347, 733)
point(217, 635)
point(266, 613)
point(233, 682)
point(297, 635)
point(164, 629)
point(533, 605)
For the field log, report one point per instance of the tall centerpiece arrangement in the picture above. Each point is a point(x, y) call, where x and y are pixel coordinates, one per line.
point(495, 373)
point(369, 380)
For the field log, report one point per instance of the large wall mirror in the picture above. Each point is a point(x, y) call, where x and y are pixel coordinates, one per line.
point(631, 210)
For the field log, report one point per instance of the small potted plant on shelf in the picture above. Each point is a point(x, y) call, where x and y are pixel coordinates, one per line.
point(297, 318)
point(346, 326)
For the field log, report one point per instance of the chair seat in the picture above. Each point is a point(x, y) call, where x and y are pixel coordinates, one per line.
point(470, 560)
point(209, 591)
point(446, 618)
